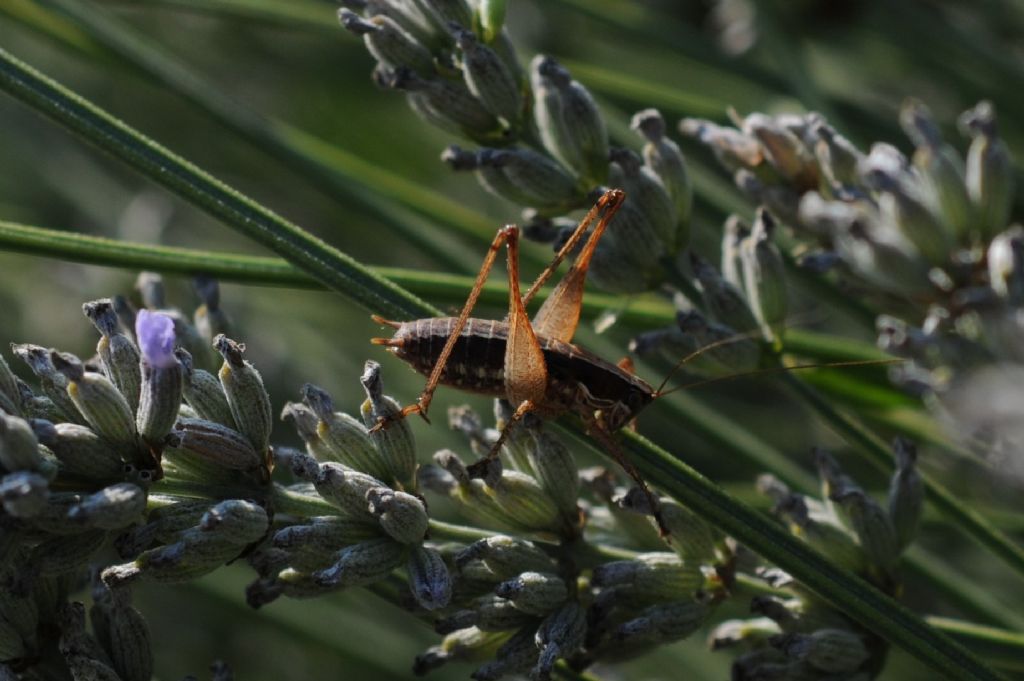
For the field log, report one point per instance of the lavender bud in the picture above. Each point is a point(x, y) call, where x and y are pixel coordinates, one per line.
point(733, 149)
point(469, 644)
point(53, 383)
point(64, 553)
point(1005, 258)
point(10, 393)
point(535, 593)
point(651, 577)
point(871, 523)
point(203, 392)
point(346, 489)
point(524, 501)
point(102, 405)
point(363, 563)
point(663, 623)
point(111, 508)
point(24, 494)
point(664, 158)
point(429, 579)
point(516, 656)
point(388, 42)
point(209, 319)
point(989, 174)
point(643, 187)
point(734, 231)
point(628, 258)
point(570, 122)
point(401, 515)
point(784, 151)
point(488, 613)
point(838, 159)
point(506, 556)
point(243, 521)
point(161, 389)
point(19, 448)
point(247, 398)
point(412, 18)
point(447, 104)
point(81, 452)
point(906, 492)
point(395, 445)
point(342, 437)
point(213, 443)
point(124, 634)
point(559, 636)
point(543, 183)
point(118, 353)
point(488, 78)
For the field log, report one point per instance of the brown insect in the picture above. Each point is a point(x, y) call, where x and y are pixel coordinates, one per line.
point(533, 365)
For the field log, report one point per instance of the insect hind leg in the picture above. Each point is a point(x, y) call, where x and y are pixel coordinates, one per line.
point(599, 433)
point(479, 468)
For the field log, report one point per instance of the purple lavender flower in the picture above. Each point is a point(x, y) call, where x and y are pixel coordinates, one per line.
point(155, 332)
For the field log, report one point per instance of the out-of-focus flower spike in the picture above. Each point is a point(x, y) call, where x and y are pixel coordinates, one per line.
point(102, 405)
point(150, 286)
point(395, 444)
point(733, 149)
point(628, 259)
point(401, 515)
point(53, 383)
point(765, 277)
point(488, 78)
point(829, 538)
point(646, 191)
point(84, 657)
point(544, 183)
point(781, 199)
point(10, 393)
point(125, 312)
point(733, 632)
point(446, 103)
point(833, 651)
point(363, 563)
point(117, 352)
point(569, 121)
point(728, 351)
point(725, 302)
point(734, 232)
point(1005, 258)
point(429, 579)
point(210, 319)
point(491, 15)
point(838, 158)
point(203, 392)
point(535, 593)
point(492, 178)
point(871, 523)
point(941, 169)
point(247, 398)
point(784, 151)
point(161, 389)
point(112, 508)
point(989, 173)
point(446, 12)
point(411, 18)
point(559, 636)
point(60, 554)
point(389, 42)
point(663, 156)
point(906, 492)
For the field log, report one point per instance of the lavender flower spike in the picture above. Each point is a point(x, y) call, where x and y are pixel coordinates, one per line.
point(155, 332)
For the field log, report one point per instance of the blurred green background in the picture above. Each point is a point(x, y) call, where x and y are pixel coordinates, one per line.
point(350, 162)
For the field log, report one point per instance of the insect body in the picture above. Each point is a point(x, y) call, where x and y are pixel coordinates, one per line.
point(533, 364)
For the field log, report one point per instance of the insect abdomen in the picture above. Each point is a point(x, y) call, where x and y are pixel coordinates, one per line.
point(477, 362)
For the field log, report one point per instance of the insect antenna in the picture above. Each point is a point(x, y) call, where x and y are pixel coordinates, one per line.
point(697, 353)
point(780, 369)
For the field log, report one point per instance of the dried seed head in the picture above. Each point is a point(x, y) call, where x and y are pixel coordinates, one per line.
point(19, 448)
point(663, 623)
point(53, 383)
point(343, 438)
point(559, 636)
point(569, 121)
point(203, 392)
point(209, 442)
point(444, 103)
point(833, 651)
point(733, 149)
point(516, 656)
point(557, 473)
point(123, 632)
point(429, 579)
point(81, 452)
point(539, 182)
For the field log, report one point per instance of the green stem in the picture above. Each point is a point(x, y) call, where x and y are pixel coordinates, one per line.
point(846, 592)
point(879, 455)
point(323, 262)
point(295, 14)
point(1001, 648)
